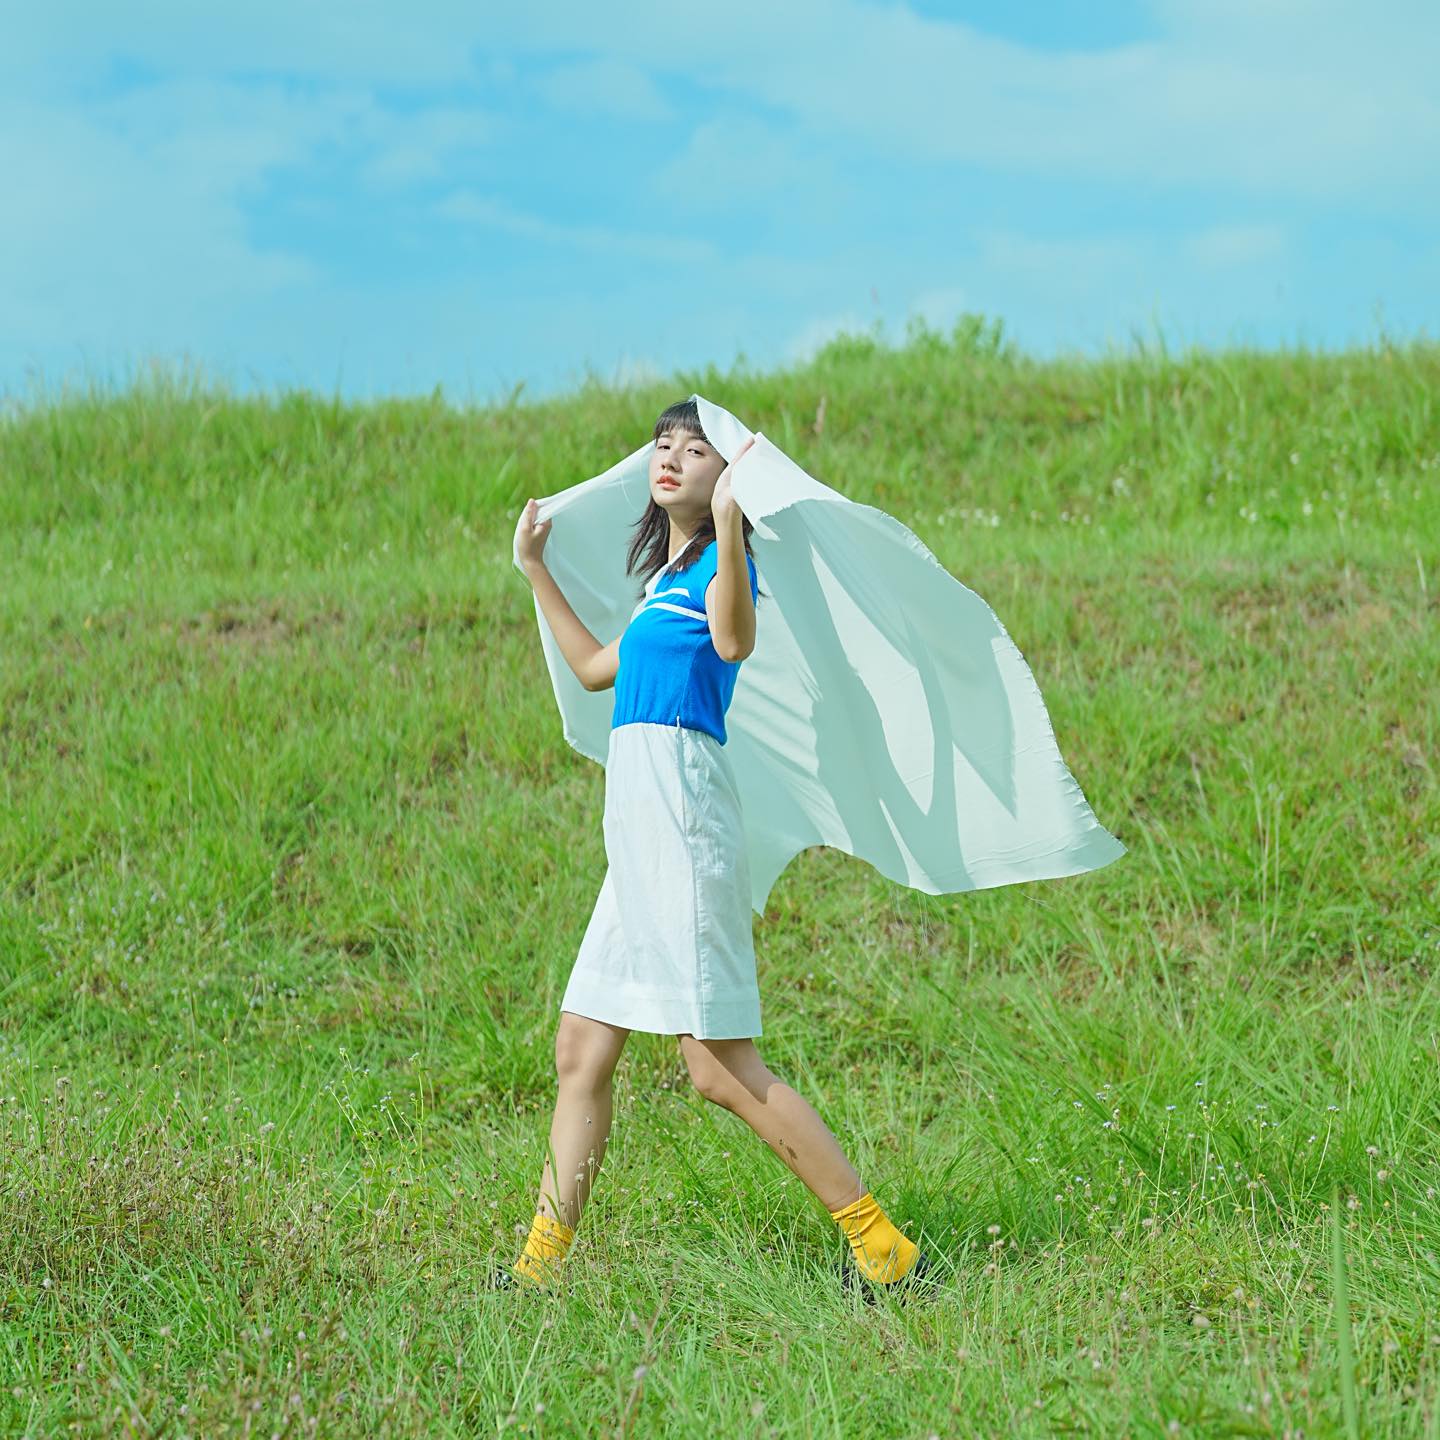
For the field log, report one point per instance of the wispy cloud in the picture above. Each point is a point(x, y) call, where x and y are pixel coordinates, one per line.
point(1313, 99)
point(491, 212)
point(408, 149)
point(131, 221)
point(815, 334)
point(609, 86)
point(271, 183)
point(1225, 245)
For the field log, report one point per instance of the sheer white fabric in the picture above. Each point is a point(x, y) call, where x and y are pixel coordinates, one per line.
point(884, 711)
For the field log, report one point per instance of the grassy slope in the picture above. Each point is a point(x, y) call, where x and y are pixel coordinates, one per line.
point(294, 862)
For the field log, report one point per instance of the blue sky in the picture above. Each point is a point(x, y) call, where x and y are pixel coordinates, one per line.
point(378, 198)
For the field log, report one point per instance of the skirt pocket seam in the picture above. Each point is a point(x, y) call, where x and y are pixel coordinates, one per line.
point(702, 980)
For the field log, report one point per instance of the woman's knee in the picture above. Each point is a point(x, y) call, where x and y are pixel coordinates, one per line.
point(586, 1050)
point(717, 1067)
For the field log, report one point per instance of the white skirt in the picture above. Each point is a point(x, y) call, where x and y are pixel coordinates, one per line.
point(669, 948)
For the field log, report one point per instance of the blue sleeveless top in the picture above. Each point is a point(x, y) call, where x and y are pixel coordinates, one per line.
point(670, 672)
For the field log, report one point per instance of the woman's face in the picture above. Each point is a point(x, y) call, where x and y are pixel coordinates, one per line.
point(695, 466)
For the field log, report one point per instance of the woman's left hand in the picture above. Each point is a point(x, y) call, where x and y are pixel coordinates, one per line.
point(722, 502)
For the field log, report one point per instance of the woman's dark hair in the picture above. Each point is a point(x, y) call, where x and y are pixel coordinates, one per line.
point(649, 549)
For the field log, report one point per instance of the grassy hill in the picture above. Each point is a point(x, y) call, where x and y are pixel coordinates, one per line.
point(294, 862)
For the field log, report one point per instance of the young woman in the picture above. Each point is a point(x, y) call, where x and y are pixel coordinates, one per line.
point(668, 948)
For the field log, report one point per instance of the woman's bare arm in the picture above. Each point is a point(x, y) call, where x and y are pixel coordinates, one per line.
point(582, 651)
point(595, 665)
point(605, 666)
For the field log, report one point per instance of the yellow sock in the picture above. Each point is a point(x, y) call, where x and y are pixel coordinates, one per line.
point(881, 1251)
point(545, 1249)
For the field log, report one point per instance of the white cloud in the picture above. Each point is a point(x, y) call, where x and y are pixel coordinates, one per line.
point(632, 372)
point(424, 145)
point(604, 87)
point(737, 161)
point(1225, 245)
point(1312, 97)
point(941, 308)
point(468, 207)
point(136, 224)
point(64, 43)
point(812, 337)
point(1321, 100)
point(132, 224)
point(136, 229)
point(1062, 264)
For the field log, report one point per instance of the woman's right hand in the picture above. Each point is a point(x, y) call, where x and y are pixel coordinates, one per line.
point(531, 535)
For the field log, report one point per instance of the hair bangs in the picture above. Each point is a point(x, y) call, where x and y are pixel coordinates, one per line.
point(682, 415)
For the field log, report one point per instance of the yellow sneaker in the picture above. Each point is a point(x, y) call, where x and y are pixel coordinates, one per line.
point(917, 1280)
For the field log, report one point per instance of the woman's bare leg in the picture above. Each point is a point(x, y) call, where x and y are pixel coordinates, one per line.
point(731, 1073)
point(586, 1053)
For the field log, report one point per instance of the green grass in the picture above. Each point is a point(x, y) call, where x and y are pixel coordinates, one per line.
point(294, 862)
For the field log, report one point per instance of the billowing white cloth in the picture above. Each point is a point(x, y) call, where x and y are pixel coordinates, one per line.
point(884, 710)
